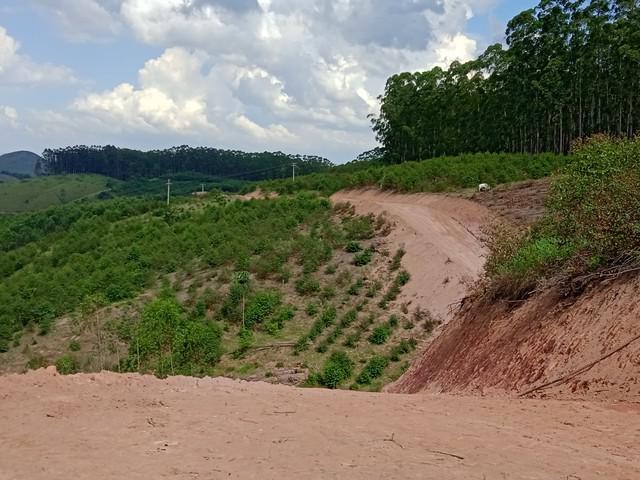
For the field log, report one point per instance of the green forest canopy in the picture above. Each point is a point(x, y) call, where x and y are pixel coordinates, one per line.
point(124, 163)
point(571, 70)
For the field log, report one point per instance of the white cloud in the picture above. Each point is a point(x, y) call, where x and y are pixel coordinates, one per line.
point(266, 74)
point(170, 97)
point(16, 68)
point(83, 20)
point(8, 116)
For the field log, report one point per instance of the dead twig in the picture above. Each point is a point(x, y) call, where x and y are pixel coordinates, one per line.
point(579, 371)
point(392, 440)
point(439, 452)
point(273, 346)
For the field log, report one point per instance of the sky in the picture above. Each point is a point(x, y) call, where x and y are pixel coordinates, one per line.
point(299, 76)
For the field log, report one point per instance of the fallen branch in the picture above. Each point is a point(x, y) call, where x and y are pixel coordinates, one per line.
point(439, 452)
point(579, 371)
point(273, 346)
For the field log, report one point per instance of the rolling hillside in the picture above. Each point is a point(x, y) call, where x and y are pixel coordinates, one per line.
point(42, 192)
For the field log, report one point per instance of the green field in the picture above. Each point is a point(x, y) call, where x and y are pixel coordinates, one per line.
point(43, 192)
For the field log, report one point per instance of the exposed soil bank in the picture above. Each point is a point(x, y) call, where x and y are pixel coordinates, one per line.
point(515, 348)
point(107, 426)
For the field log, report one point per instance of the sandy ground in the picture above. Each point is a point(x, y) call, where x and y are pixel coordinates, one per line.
point(115, 427)
point(441, 237)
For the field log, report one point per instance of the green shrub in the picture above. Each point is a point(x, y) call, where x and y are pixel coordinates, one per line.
point(592, 222)
point(403, 278)
point(245, 342)
point(326, 319)
point(337, 369)
point(261, 306)
point(359, 227)
point(374, 369)
point(166, 341)
point(331, 269)
point(284, 314)
point(353, 247)
point(380, 334)
point(307, 285)
point(74, 346)
point(67, 365)
point(404, 347)
point(396, 263)
point(311, 309)
point(363, 258)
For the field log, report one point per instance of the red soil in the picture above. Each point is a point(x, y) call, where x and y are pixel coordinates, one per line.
point(109, 426)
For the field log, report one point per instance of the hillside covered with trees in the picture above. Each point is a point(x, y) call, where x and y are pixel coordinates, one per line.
point(571, 69)
point(124, 163)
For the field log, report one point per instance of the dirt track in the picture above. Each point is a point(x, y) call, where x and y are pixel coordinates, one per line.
point(115, 427)
point(441, 236)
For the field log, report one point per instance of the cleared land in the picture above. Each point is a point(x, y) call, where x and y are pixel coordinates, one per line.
point(42, 192)
point(441, 236)
point(109, 426)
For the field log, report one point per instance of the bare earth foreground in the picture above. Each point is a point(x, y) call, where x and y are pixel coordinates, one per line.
point(139, 427)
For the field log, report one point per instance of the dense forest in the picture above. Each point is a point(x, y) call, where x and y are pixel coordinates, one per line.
point(124, 163)
point(571, 69)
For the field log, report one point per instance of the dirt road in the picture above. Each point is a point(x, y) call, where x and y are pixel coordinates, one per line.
point(115, 427)
point(441, 236)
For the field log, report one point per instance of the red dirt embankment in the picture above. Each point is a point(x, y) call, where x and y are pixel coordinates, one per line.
point(511, 348)
point(109, 426)
point(505, 347)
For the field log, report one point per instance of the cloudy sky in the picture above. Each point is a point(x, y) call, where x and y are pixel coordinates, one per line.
point(299, 76)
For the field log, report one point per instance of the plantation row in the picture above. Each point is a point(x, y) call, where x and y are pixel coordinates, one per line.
point(114, 250)
point(434, 175)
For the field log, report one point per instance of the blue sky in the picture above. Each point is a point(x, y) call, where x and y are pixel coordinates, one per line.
point(292, 75)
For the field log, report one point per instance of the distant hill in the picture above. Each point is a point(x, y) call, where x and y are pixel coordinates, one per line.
point(22, 162)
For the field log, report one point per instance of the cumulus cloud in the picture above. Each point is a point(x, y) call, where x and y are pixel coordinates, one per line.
point(170, 97)
point(16, 68)
point(83, 20)
point(297, 74)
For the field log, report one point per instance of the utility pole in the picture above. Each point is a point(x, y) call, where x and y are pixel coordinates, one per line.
point(168, 192)
point(293, 166)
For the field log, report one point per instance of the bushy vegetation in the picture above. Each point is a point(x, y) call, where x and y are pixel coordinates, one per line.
point(433, 175)
point(67, 365)
point(167, 341)
point(337, 369)
point(52, 260)
point(382, 332)
point(394, 289)
point(591, 223)
point(374, 369)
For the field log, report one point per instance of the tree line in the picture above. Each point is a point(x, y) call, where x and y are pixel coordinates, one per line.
point(571, 69)
point(124, 163)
